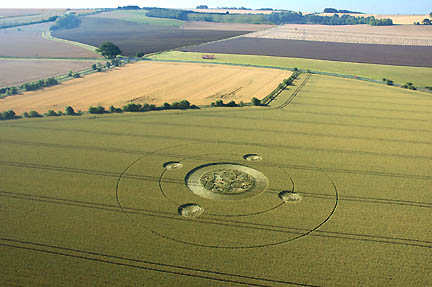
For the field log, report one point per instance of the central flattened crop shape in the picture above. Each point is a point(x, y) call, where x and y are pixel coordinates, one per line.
point(226, 181)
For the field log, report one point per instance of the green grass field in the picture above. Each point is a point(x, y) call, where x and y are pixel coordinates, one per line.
point(139, 16)
point(86, 201)
point(419, 76)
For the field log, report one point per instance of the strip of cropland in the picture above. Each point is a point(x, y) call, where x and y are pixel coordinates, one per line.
point(153, 83)
point(345, 52)
point(420, 76)
point(357, 154)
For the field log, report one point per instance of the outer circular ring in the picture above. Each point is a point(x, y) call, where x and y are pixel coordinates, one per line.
point(192, 181)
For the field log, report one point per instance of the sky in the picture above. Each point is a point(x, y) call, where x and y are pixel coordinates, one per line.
point(367, 6)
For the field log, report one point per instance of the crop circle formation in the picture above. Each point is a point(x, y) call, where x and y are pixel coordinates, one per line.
point(191, 196)
point(226, 181)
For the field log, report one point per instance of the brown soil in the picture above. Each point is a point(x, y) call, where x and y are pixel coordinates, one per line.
point(198, 25)
point(28, 42)
point(418, 56)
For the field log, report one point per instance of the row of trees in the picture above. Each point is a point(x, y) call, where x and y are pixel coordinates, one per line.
point(333, 10)
point(39, 84)
point(278, 18)
point(291, 17)
point(231, 104)
point(138, 108)
point(11, 115)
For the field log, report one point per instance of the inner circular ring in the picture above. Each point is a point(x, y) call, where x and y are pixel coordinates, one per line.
point(226, 181)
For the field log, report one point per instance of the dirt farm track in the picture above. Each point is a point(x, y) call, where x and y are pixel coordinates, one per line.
point(418, 56)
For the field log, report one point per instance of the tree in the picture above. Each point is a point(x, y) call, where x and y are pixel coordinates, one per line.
point(140, 54)
point(94, 67)
point(108, 50)
point(70, 111)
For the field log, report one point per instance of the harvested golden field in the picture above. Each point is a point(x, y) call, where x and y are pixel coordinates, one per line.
point(365, 34)
point(199, 25)
point(153, 83)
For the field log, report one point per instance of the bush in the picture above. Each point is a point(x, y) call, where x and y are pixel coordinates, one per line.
point(97, 110)
point(140, 54)
point(32, 114)
point(183, 105)
point(113, 109)
point(256, 102)
point(70, 111)
point(8, 115)
point(94, 67)
point(134, 108)
point(220, 103)
point(51, 113)
point(51, 82)
point(30, 86)
point(389, 82)
point(76, 75)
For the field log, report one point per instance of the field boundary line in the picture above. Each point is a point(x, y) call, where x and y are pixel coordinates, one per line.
point(296, 92)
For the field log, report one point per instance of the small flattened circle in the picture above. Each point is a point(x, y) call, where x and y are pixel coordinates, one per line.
point(226, 181)
point(190, 210)
point(290, 197)
point(172, 165)
point(252, 157)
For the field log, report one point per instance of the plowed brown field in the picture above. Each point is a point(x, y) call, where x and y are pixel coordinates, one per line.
point(153, 83)
point(28, 42)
